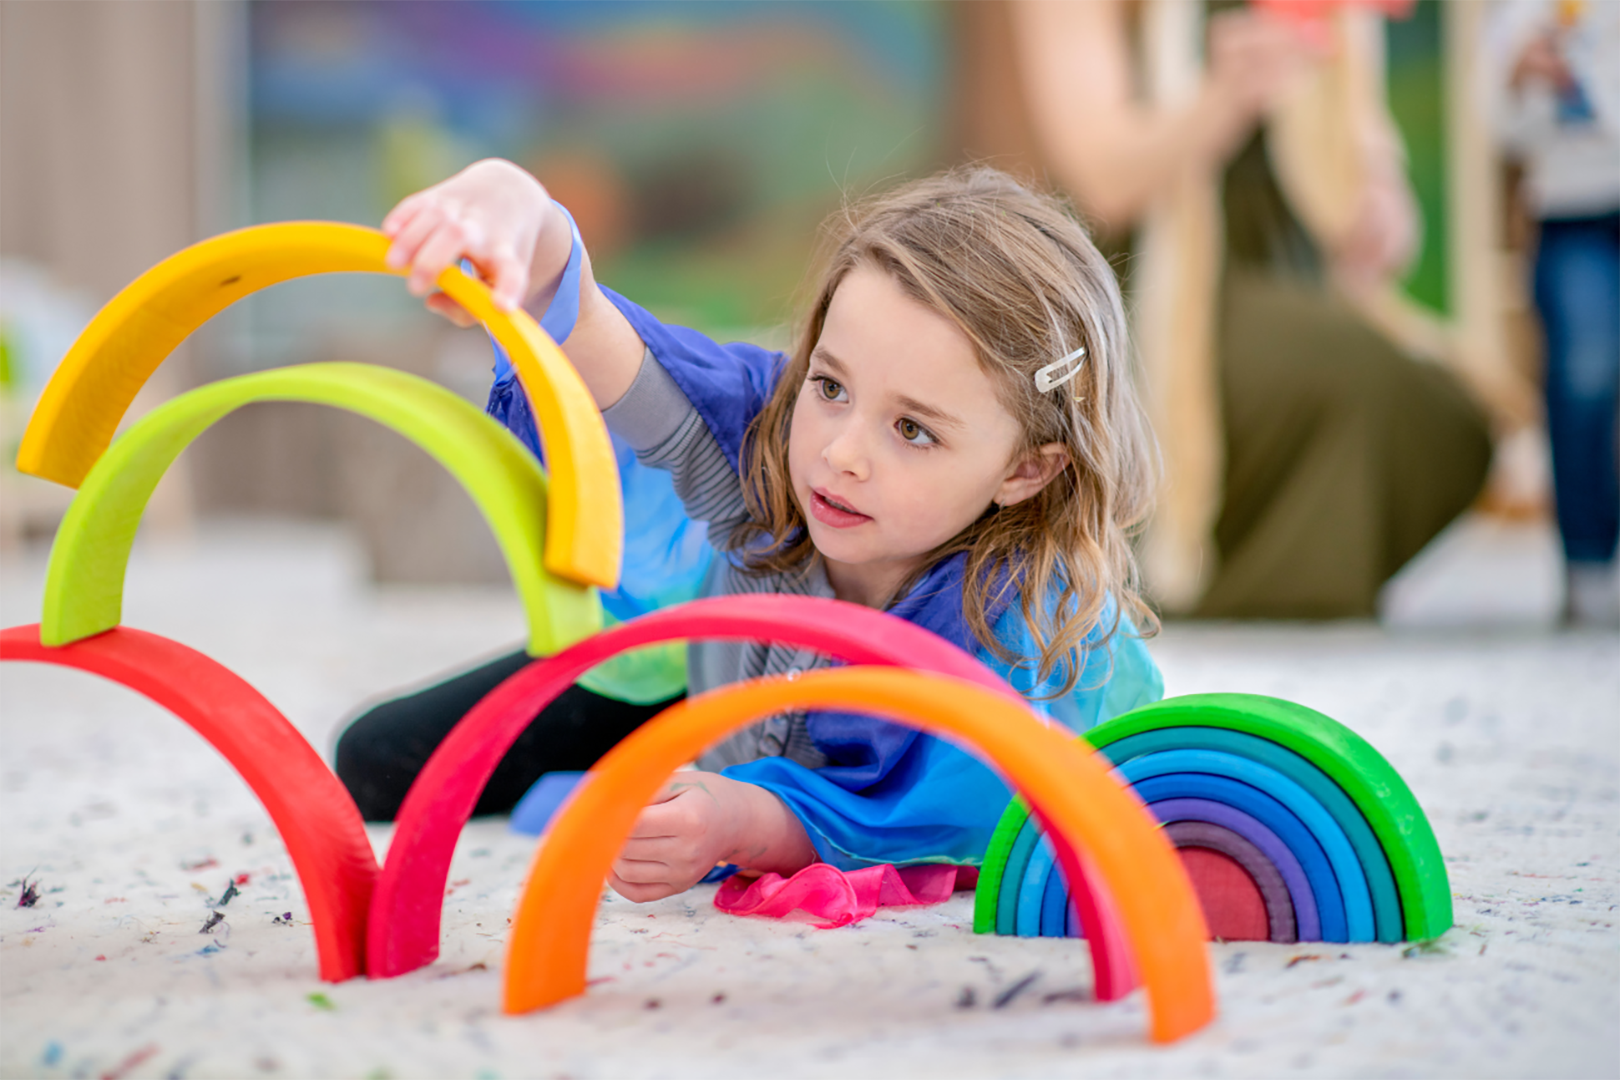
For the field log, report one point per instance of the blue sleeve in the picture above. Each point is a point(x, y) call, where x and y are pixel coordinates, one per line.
point(935, 802)
point(666, 554)
point(1116, 679)
point(727, 384)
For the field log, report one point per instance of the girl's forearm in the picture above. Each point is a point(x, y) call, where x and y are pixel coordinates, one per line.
point(551, 252)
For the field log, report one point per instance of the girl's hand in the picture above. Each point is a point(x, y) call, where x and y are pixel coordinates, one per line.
point(492, 213)
point(698, 820)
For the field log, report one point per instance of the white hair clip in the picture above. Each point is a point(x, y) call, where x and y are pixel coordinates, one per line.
point(1045, 380)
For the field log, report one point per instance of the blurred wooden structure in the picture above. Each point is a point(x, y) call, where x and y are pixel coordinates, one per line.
point(415, 522)
point(121, 141)
point(112, 157)
point(1487, 331)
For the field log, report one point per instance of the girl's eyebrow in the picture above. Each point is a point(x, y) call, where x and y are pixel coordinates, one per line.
point(829, 360)
point(922, 409)
point(935, 416)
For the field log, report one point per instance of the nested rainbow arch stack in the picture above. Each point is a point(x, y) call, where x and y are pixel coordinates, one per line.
point(562, 538)
point(1291, 826)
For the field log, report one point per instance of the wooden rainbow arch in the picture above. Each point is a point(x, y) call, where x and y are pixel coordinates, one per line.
point(406, 907)
point(92, 389)
point(560, 542)
point(1327, 836)
point(546, 953)
point(85, 579)
point(80, 628)
point(317, 820)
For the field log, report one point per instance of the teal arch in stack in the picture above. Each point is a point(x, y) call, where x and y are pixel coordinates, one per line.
point(1290, 825)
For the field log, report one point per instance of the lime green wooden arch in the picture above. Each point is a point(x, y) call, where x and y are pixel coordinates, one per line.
point(84, 583)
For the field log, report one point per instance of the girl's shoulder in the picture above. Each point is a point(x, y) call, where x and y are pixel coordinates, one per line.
point(728, 383)
point(1118, 672)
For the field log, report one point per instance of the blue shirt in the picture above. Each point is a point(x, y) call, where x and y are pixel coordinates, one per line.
point(867, 791)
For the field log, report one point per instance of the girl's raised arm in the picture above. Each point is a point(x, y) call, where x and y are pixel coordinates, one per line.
point(501, 219)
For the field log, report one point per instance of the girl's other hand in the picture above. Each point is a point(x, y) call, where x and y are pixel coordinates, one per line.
point(701, 819)
point(491, 213)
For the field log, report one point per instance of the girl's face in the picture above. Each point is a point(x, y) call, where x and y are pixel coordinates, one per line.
point(899, 440)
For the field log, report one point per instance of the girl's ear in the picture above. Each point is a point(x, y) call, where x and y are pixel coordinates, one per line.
point(1032, 473)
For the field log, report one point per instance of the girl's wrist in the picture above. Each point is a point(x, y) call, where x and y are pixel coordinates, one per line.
point(551, 252)
point(767, 835)
point(557, 309)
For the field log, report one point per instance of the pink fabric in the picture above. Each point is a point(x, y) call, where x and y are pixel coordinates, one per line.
point(838, 898)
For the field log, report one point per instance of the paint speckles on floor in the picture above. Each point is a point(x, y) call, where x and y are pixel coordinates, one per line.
point(133, 835)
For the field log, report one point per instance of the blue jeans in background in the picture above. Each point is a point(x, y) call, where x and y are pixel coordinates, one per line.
point(1577, 291)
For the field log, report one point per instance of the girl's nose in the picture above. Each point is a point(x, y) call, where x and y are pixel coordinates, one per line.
point(846, 452)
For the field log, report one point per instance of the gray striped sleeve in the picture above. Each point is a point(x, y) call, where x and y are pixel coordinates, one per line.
point(665, 431)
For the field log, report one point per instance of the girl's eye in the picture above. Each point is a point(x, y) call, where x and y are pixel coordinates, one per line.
point(831, 389)
point(914, 433)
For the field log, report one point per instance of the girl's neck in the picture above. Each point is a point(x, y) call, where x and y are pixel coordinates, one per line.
point(872, 585)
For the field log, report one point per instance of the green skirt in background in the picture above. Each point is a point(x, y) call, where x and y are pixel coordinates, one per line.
point(1344, 456)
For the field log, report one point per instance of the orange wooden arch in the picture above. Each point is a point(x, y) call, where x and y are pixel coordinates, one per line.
point(1072, 789)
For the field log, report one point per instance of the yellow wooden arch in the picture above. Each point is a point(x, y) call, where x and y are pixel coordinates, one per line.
point(97, 380)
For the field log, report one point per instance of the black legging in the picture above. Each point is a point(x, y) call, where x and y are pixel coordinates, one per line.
point(381, 752)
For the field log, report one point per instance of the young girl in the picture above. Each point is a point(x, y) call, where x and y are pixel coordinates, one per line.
point(954, 440)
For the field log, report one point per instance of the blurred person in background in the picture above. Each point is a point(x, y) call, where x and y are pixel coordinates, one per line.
point(1246, 156)
point(1552, 71)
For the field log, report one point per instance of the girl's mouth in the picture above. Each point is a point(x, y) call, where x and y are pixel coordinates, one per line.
point(829, 511)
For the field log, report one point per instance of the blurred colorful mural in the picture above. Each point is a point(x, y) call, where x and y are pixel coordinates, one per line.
point(698, 144)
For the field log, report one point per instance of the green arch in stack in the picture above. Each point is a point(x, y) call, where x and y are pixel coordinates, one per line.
point(1332, 838)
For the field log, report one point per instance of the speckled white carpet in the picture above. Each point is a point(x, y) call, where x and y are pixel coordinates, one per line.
point(1508, 732)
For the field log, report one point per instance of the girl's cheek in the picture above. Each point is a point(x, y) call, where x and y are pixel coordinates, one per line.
point(798, 465)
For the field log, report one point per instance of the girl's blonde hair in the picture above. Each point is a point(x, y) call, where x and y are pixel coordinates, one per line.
point(1020, 277)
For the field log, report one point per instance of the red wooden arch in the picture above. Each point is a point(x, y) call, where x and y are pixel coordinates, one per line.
point(316, 818)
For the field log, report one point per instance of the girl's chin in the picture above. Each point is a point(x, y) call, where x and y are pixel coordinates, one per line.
point(846, 551)
point(839, 546)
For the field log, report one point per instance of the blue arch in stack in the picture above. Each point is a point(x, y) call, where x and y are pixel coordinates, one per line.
point(1346, 857)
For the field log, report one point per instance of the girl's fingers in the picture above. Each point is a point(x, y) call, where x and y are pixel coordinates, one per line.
point(641, 871)
point(638, 893)
point(509, 278)
point(444, 247)
point(402, 212)
point(667, 815)
point(412, 234)
point(660, 849)
point(440, 304)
